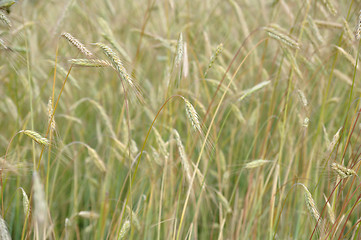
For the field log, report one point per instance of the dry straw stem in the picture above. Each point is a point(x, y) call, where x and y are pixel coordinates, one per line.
point(256, 163)
point(79, 62)
point(77, 44)
point(36, 137)
point(342, 171)
point(4, 232)
point(5, 19)
point(276, 32)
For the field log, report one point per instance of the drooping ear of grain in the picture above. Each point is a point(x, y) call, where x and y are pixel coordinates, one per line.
point(36, 137)
point(342, 171)
point(5, 19)
point(26, 205)
point(256, 163)
point(75, 42)
point(180, 50)
point(124, 230)
point(118, 66)
point(192, 115)
point(218, 51)
point(358, 28)
point(89, 62)
point(51, 117)
point(4, 232)
point(276, 32)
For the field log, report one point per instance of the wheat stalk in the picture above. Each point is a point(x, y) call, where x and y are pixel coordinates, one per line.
point(5, 19)
point(77, 44)
point(4, 232)
point(118, 66)
point(274, 31)
point(342, 171)
point(89, 62)
point(36, 137)
point(26, 204)
point(192, 115)
point(256, 163)
point(358, 28)
point(51, 117)
point(124, 230)
point(88, 214)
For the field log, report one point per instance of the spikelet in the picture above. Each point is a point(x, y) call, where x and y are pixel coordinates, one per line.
point(36, 137)
point(5, 19)
point(40, 206)
point(310, 203)
point(180, 50)
point(97, 160)
point(256, 163)
point(51, 118)
point(335, 139)
point(135, 220)
point(330, 7)
point(124, 230)
point(315, 29)
point(218, 51)
point(330, 212)
point(358, 28)
point(77, 44)
point(89, 62)
point(118, 66)
point(183, 156)
point(4, 232)
point(26, 204)
point(274, 31)
point(88, 214)
point(342, 171)
point(302, 97)
point(347, 30)
point(192, 115)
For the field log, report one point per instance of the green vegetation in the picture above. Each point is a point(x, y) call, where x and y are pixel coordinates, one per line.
point(180, 119)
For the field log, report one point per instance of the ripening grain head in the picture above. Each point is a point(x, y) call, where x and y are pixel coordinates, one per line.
point(77, 44)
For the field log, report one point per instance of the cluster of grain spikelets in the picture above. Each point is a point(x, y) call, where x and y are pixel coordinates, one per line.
point(120, 69)
point(276, 32)
point(36, 137)
point(4, 232)
point(312, 208)
point(76, 43)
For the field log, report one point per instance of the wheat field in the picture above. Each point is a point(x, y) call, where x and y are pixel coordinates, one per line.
point(178, 119)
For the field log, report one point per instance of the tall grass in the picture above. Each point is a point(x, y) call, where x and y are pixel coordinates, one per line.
point(247, 124)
